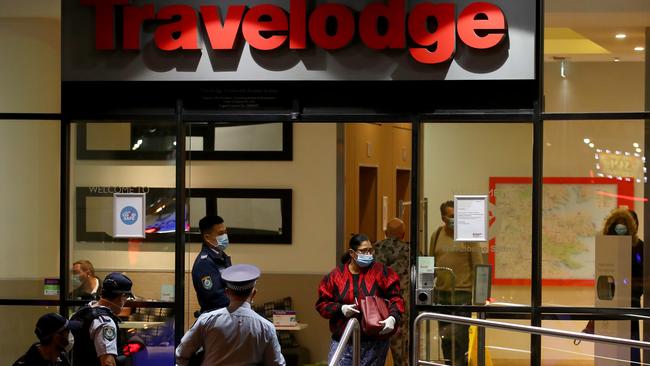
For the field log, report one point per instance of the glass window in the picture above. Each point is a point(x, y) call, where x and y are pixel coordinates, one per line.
point(594, 55)
point(29, 189)
point(575, 352)
point(594, 173)
point(492, 159)
point(100, 244)
point(502, 347)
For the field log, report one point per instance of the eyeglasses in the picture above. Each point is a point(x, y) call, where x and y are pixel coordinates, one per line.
point(366, 251)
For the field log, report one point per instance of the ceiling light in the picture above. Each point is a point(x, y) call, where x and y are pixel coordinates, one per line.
point(636, 144)
point(586, 141)
point(616, 59)
point(638, 150)
point(621, 36)
point(591, 144)
point(639, 48)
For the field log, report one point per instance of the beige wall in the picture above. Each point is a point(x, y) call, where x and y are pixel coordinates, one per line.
point(595, 87)
point(30, 176)
point(30, 64)
point(29, 224)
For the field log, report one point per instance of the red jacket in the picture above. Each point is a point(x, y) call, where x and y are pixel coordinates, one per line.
point(341, 287)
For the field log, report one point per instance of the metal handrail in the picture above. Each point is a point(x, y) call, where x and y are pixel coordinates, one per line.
point(353, 328)
point(516, 328)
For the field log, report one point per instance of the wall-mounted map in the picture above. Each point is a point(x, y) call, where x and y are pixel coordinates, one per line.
point(574, 210)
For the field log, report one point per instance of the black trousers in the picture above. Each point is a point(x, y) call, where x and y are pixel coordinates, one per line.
point(454, 337)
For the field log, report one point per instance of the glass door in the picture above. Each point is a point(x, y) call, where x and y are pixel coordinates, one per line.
point(474, 234)
point(122, 216)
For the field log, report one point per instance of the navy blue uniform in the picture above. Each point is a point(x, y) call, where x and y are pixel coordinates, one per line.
point(206, 277)
point(33, 358)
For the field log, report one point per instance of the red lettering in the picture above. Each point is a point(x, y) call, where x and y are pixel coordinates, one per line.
point(222, 37)
point(134, 16)
point(468, 24)
point(298, 25)
point(444, 37)
point(344, 26)
point(104, 22)
point(432, 27)
point(186, 27)
point(253, 27)
point(394, 12)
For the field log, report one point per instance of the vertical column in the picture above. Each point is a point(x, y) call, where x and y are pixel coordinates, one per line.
point(416, 169)
point(179, 268)
point(536, 255)
point(64, 217)
point(646, 205)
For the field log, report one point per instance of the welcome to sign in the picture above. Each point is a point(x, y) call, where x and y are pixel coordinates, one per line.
point(296, 39)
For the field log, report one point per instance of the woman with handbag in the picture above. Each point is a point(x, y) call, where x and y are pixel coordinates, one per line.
point(361, 283)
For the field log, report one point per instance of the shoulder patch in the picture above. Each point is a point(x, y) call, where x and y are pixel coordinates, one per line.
point(206, 282)
point(204, 256)
point(109, 333)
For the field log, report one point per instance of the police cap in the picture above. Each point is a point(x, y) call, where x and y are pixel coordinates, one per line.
point(240, 277)
point(52, 323)
point(115, 284)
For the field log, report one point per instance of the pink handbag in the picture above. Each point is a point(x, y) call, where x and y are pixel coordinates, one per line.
point(373, 310)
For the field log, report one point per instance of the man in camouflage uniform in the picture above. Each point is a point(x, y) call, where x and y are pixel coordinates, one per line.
point(394, 252)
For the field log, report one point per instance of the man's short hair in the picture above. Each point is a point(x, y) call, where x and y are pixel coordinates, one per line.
point(242, 293)
point(444, 205)
point(206, 223)
point(86, 266)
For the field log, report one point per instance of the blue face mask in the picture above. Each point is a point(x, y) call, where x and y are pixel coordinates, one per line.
point(222, 242)
point(620, 229)
point(364, 260)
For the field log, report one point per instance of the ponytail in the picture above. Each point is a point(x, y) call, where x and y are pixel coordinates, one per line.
point(355, 242)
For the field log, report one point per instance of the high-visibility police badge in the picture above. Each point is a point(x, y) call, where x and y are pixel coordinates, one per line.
point(206, 282)
point(108, 333)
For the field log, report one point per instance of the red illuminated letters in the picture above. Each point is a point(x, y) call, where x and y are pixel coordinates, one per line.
point(382, 25)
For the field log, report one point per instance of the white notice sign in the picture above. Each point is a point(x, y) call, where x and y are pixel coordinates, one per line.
point(470, 218)
point(128, 215)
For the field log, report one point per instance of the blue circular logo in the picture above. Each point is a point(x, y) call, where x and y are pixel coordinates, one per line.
point(129, 215)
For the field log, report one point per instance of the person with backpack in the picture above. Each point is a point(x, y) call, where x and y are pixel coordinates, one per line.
point(97, 340)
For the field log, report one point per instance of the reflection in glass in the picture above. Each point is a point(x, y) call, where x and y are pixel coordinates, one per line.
point(251, 215)
point(253, 137)
point(154, 140)
point(605, 172)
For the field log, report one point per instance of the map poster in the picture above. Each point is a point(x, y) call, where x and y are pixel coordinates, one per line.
point(573, 213)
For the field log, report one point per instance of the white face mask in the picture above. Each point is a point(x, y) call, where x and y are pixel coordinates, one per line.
point(76, 281)
point(120, 307)
point(68, 348)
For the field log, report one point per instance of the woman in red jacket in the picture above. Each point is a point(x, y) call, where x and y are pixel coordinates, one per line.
point(356, 277)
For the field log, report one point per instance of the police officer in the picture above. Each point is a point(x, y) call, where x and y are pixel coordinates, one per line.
point(206, 271)
point(97, 341)
point(54, 340)
point(235, 335)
